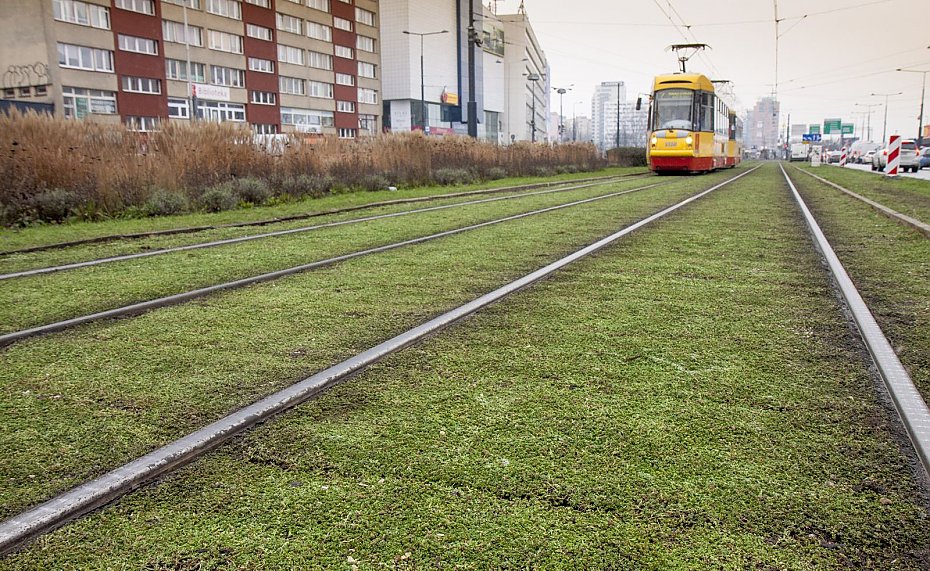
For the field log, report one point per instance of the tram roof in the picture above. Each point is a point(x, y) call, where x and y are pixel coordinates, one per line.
point(683, 81)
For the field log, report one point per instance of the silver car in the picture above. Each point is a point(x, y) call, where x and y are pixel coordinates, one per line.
point(908, 158)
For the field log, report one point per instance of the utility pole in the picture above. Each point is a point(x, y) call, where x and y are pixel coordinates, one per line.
point(885, 124)
point(472, 74)
point(533, 78)
point(869, 107)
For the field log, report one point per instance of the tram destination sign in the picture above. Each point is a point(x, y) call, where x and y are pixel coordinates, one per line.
point(831, 126)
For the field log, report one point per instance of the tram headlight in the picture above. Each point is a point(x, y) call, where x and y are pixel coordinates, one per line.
point(689, 140)
point(655, 141)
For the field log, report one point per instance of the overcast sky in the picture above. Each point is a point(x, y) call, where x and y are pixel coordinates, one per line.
point(832, 54)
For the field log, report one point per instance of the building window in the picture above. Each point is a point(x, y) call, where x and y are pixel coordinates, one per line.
point(141, 85)
point(307, 120)
point(79, 102)
point(342, 24)
point(262, 65)
point(364, 17)
point(141, 6)
point(142, 124)
point(345, 106)
point(319, 32)
point(368, 123)
point(320, 89)
point(366, 69)
point(41, 90)
point(347, 133)
point(195, 4)
point(174, 32)
point(262, 3)
point(369, 96)
point(265, 129)
point(320, 60)
point(259, 32)
point(227, 76)
point(226, 8)
point(9, 93)
point(263, 97)
point(289, 54)
point(345, 79)
point(365, 44)
point(221, 41)
point(177, 69)
point(179, 108)
point(292, 85)
point(343, 52)
point(289, 23)
point(138, 45)
point(80, 57)
point(81, 13)
point(221, 111)
point(322, 5)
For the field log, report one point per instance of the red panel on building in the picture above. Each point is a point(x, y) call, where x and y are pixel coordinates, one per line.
point(344, 65)
point(256, 113)
point(131, 64)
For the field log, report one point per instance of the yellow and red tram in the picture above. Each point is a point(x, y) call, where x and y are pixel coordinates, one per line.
point(692, 129)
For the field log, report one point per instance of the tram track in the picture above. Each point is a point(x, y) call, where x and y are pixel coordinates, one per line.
point(70, 505)
point(910, 406)
point(904, 219)
point(292, 231)
point(179, 298)
point(307, 215)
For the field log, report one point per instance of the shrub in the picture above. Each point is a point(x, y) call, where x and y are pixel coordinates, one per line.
point(55, 205)
point(302, 185)
point(495, 173)
point(252, 190)
point(373, 182)
point(165, 203)
point(219, 197)
point(543, 171)
point(448, 177)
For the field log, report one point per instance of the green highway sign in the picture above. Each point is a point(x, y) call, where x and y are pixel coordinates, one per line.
point(813, 129)
point(831, 126)
point(847, 129)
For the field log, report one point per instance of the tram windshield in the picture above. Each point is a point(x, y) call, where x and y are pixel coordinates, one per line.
point(673, 109)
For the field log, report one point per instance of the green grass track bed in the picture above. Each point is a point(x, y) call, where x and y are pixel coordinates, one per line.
point(690, 398)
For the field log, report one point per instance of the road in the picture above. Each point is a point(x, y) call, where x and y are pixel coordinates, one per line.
point(923, 174)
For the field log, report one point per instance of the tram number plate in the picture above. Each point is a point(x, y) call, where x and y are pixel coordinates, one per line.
point(671, 143)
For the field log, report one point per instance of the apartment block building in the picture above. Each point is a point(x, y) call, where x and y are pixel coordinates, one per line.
point(310, 66)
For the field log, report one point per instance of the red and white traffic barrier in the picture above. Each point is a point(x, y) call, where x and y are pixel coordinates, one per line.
point(843, 157)
point(894, 155)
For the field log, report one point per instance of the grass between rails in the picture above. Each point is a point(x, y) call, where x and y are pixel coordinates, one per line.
point(83, 252)
point(690, 399)
point(38, 235)
point(34, 300)
point(908, 196)
point(890, 264)
point(78, 403)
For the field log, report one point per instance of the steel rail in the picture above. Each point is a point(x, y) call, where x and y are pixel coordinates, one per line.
point(142, 307)
point(266, 222)
point(911, 407)
point(893, 214)
point(70, 505)
point(241, 239)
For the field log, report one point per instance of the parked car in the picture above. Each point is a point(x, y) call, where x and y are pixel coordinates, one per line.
point(908, 158)
point(866, 159)
point(925, 158)
point(834, 157)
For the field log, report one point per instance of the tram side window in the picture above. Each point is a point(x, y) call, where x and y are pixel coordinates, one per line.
point(706, 112)
point(672, 109)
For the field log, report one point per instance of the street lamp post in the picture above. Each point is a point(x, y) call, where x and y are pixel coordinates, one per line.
point(885, 124)
point(562, 91)
point(425, 124)
point(533, 78)
point(869, 107)
point(923, 93)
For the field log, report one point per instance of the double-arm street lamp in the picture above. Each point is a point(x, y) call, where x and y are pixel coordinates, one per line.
point(562, 91)
point(923, 93)
point(425, 124)
point(885, 124)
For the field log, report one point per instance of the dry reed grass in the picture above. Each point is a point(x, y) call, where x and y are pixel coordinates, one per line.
point(92, 170)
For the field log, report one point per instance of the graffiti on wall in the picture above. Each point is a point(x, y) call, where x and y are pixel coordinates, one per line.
point(25, 75)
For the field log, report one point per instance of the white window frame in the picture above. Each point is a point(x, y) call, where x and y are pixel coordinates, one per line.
point(367, 70)
point(345, 106)
point(319, 31)
point(320, 89)
point(343, 24)
point(261, 65)
point(317, 120)
point(367, 96)
point(286, 54)
point(347, 133)
point(142, 124)
point(147, 85)
point(263, 97)
point(221, 111)
point(99, 60)
point(225, 42)
point(366, 17)
point(292, 85)
point(365, 44)
point(227, 76)
point(137, 45)
point(81, 13)
point(262, 3)
point(176, 69)
point(179, 108)
point(226, 8)
point(319, 60)
point(343, 51)
point(140, 6)
point(287, 23)
point(172, 31)
point(321, 5)
point(95, 102)
point(345, 79)
point(195, 4)
point(259, 32)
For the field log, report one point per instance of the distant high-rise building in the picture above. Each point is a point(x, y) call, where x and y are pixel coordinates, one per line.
point(761, 128)
point(615, 121)
point(582, 129)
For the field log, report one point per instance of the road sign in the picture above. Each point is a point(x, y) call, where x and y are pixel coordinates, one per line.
point(811, 138)
point(813, 129)
point(847, 129)
point(831, 126)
